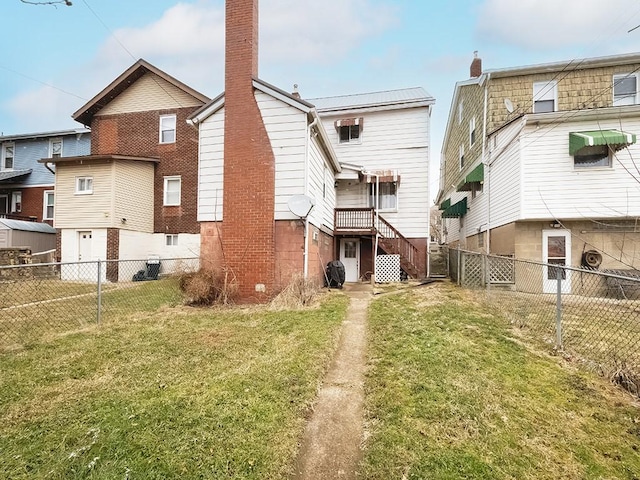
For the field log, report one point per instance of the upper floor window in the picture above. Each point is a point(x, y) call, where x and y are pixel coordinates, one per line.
point(545, 97)
point(625, 89)
point(472, 131)
point(461, 156)
point(84, 185)
point(7, 156)
point(387, 195)
point(47, 213)
point(349, 129)
point(460, 112)
point(16, 202)
point(593, 157)
point(167, 129)
point(172, 188)
point(55, 147)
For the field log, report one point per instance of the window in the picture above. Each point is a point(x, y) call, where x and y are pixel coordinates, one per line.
point(349, 133)
point(47, 213)
point(171, 240)
point(7, 156)
point(460, 112)
point(595, 156)
point(461, 156)
point(545, 95)
point(84, 185)
point(167, 129)
point(16, 202)
point(472, 131)
point(387, 197)
point(172, 191)
point(625, 89)
point(55, 148)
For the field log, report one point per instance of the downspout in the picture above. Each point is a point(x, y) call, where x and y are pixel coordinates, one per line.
point(305, 254)
point(377, 207)
point(486, 162)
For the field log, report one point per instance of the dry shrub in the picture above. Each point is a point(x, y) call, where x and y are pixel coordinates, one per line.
point(625, 377)
point(299, 293)
point(209, 287)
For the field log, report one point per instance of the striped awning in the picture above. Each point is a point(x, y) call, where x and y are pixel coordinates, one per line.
point(475, 176)
point(381, 176)
point(615, 139)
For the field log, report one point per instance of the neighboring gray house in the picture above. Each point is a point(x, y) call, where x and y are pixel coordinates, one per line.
point(26, 186)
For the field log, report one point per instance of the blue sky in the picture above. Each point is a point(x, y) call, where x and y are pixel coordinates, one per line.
point(55, 58)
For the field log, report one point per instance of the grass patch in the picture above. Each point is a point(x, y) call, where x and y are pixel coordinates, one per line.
point(450, 394)
point(171, 393)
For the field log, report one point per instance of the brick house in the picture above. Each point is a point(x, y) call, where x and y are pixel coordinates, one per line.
point(538, 162)
point(26, 186)
point(265, 152)
point(133, 196)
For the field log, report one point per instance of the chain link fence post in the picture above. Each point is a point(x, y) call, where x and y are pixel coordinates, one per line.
point(99, 283)
point(559, 272)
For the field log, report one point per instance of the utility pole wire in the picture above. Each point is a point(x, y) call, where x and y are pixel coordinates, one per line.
point(54, 2)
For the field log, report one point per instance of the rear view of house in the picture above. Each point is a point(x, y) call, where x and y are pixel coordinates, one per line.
point(133, 196)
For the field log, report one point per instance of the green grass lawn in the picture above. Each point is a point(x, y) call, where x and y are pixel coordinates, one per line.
point(166, 393)
point(452, 393)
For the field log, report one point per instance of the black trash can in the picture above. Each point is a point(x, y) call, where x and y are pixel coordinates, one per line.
point(153, 268)
point(335, 274)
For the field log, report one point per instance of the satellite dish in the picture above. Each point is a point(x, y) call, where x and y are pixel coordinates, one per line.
point(300, 205)
point(508, 105)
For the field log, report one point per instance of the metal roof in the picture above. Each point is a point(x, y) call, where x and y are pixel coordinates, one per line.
point(56, 133)
point(13, 174)
point(402, 97)
point(26, 226)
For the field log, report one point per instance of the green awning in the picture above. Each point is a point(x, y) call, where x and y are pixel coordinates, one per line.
point(446, 204)
point(456, 210)
point(616, 139)
point(475, 176)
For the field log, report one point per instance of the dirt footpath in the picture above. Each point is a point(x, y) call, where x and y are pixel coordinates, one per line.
point(333, 436)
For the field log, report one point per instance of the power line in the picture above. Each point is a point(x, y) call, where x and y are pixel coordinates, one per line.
point(66, 2)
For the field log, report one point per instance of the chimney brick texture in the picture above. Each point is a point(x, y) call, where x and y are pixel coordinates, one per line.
point(248, 226)
point(476, 67)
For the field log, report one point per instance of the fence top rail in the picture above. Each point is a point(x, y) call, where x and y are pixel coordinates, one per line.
point(90, 262)
point(603, 273)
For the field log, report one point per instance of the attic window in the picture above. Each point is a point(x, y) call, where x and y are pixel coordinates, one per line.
point(349, 129)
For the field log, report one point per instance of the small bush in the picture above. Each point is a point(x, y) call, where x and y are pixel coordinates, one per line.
point(300, 292)
point(625, 377)
point(209, 287)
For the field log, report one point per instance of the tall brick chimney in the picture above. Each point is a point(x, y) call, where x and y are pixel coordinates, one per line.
point(248, 226)
point(476, 66)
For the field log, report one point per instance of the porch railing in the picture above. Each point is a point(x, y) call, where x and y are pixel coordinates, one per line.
point(354, 220)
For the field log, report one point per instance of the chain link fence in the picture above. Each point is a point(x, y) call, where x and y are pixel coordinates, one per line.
point(590, 315)
point(41, 300)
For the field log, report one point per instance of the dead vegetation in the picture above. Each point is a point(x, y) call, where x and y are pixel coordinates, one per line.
point(209, 287)
point(299, 293)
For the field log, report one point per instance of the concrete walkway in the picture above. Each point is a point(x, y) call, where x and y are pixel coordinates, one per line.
point(333, 436)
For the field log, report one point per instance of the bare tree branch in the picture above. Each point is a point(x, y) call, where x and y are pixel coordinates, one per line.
point(53, 2)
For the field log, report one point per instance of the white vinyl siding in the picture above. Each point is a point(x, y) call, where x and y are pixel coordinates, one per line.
point(211, 168)
point(150, 92)
point(395, 140)
point(553, 188)
point(133, 195)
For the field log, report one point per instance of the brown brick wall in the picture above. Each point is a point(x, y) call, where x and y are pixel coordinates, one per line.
point(289, 251)
point(321, 252)
point(137, 134)
point(113, 253)
point(249, 166)
point(211, 254)
point(32, 201)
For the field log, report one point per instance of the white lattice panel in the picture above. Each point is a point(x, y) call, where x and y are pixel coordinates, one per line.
point(387, 268)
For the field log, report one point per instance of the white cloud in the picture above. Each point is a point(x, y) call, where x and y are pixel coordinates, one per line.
point(550, 24)
point(187, 42)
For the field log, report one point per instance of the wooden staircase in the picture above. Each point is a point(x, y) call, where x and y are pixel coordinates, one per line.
point(394, 243)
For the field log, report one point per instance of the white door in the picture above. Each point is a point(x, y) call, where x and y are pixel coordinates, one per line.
point(556, 250)
point(350, 257)
point(84, 246)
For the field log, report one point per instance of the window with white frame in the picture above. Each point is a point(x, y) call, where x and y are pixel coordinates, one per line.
point(545, 96)
point(55, 148)
point(387, 195)
point(172, 190)
point(84, 185)
point(472, 131)
point(8, 150)
point(625, 89)
point(461, 156)
point(47, 213)
point(171, 240)
point(167, 129)
point(16, 202)
point(596, 156)
point(460, 111)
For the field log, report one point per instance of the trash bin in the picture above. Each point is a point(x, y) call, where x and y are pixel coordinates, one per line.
point(335, 274)
point(153, 268)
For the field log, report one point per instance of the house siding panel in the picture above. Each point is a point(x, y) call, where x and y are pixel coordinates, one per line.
point(150, 92)
point(211, 168)
point(134, 195)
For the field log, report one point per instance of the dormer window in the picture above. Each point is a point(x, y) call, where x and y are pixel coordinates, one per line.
point(7, 156)
point(350, 129)
point(545, 97)
point(55, 148)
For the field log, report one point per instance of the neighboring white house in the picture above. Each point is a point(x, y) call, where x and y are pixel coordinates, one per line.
point(552, 174)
